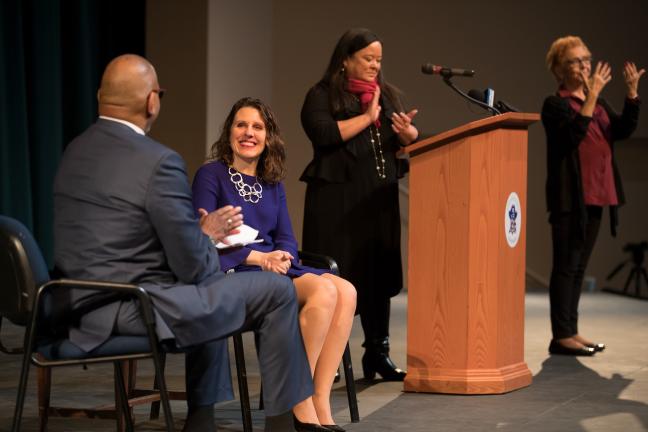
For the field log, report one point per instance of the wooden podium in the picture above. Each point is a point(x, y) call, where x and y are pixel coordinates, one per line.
point(466, 270)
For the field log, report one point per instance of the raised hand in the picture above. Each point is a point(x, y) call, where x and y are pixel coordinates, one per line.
point(221, 223)
point(598, 80)
point(373, 110)
point(631, 76)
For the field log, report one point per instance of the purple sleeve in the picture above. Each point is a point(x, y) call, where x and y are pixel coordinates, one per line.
point(205, 189)
point(206, 194)
point(284, 237)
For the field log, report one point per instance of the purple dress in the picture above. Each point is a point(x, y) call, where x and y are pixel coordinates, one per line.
point(213, 189)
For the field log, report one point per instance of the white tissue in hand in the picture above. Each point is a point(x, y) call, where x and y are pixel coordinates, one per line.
point(245, 236)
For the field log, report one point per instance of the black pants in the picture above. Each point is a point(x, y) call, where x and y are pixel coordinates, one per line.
point(374, 309)
point(570, 257)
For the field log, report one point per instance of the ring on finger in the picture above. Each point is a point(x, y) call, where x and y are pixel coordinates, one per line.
point(229, 222)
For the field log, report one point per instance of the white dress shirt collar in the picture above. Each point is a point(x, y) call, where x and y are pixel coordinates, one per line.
point(129, 124)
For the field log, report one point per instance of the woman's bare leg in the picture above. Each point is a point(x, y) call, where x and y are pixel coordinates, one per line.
point(317, 299)
point(334, 345)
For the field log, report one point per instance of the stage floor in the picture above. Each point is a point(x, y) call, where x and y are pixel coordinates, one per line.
point(607, 392)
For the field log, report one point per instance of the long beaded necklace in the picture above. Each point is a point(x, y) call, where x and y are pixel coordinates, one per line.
point(380, 163)
point(251, 194)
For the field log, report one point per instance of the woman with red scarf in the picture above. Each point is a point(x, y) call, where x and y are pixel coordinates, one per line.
point(356, 124)
point(582, 176)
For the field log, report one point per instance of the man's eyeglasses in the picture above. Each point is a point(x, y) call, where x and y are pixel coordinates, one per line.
point(579, 61)
point(159, 91)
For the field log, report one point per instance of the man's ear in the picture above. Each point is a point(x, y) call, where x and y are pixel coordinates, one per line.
point(150, 105)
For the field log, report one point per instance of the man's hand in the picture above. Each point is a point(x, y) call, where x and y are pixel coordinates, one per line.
point(221, 223)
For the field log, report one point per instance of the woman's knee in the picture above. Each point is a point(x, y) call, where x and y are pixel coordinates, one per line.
point(325, 293)
point(347, 294)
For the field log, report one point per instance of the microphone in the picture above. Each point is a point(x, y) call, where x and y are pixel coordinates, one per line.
point(430, 69)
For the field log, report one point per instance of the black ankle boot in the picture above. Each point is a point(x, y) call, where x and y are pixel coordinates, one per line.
point(376, 360)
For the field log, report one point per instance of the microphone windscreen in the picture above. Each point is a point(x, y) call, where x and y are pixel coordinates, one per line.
point(429, 68)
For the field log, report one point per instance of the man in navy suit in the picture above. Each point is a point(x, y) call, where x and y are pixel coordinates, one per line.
point(123, 213)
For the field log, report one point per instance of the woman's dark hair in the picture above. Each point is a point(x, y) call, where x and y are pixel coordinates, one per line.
point(352, 40)
point(271, 167)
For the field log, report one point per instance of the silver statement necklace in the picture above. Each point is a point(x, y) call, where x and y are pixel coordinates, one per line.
point(251, 194)
point(380, 163)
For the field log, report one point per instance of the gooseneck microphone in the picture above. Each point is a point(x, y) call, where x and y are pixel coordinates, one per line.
point(431, 69)
point(448, 73)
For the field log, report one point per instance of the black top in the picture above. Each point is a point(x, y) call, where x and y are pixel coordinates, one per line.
point(334, 159)
point(565, 129)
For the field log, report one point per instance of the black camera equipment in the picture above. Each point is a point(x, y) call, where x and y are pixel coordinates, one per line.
point(637, 271)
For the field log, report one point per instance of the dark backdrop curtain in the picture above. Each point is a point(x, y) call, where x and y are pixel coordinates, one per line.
point(52, 54)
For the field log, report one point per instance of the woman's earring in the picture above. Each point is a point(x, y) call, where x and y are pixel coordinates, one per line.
point(342, 70)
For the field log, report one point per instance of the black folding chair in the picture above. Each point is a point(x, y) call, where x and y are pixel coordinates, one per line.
point(29, 298)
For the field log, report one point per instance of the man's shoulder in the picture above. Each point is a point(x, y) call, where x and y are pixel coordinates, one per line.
point(122, 138)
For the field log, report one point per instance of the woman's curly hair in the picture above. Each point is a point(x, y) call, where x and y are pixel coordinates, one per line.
point(271, 167)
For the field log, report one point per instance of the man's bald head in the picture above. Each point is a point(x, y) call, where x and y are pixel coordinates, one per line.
point(126, 85)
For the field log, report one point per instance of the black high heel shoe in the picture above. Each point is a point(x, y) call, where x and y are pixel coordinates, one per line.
point(334, 428)
point(376, 360)
point(557, 348)
point(308, 427)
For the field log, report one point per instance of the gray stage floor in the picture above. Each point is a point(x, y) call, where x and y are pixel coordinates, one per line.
point(608, 392)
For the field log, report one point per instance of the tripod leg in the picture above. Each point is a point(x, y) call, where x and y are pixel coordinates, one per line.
point(616, 270)
point(637, 281)
point(645, 275)
point(627, 284)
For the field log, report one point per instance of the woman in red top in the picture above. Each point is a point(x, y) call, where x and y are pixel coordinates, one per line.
point(582, 176)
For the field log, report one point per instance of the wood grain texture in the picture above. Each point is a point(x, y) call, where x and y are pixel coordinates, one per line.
point(466, 285)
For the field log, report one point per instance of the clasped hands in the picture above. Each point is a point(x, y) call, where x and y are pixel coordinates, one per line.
point(277, 261)
point(602, 75)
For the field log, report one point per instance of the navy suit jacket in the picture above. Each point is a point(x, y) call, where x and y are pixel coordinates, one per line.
point(123, 213)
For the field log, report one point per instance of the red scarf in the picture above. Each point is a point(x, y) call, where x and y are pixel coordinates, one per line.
point(365, 91)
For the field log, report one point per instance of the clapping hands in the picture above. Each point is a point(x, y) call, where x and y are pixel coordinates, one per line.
point(401, 121)
point(603, 74)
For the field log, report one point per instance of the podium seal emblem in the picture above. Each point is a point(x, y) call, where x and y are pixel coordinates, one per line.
point(512, 219)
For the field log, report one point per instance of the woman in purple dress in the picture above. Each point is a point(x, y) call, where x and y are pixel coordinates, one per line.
point(245, 169)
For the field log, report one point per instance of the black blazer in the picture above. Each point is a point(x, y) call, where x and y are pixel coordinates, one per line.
point(565, 129)
point(334, 159)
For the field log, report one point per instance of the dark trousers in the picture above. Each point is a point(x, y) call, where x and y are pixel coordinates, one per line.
point(271, 312)
point(374, 310)
point(570, 256)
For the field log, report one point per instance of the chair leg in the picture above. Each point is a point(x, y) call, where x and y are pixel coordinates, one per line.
point(155, 406)
point(159, 376)
point(350, 385)
point(44, 390)
point(241, 375)
point(124, 419)
point(24, 375)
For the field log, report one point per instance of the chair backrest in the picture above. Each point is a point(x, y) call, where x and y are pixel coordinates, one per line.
point(22, 271)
